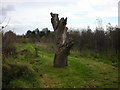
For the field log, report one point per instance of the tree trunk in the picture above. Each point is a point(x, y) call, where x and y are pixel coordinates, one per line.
point(63, 43)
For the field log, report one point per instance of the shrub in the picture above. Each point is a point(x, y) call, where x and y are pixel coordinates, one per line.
point(8, 44)
point(14, 71)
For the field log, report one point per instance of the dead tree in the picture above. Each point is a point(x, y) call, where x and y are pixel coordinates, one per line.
point(63, 43)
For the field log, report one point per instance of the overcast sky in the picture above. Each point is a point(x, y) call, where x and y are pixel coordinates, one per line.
point(24, 15)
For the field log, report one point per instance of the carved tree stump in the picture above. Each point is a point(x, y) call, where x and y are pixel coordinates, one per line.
point(63, 43)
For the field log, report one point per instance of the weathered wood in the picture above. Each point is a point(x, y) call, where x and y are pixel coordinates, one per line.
point(63, 43)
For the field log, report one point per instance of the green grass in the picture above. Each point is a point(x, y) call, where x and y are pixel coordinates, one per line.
point(82, 72)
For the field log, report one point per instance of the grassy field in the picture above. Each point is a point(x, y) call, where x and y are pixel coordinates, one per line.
point(30, 71)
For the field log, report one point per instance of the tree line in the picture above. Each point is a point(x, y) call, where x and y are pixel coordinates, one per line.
point(99, 41)
point(94, 43)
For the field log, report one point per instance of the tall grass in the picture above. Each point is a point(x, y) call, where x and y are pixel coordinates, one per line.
point(29, 71)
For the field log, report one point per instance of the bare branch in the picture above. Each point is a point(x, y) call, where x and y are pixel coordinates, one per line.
point(5, 25)
point(3, 20)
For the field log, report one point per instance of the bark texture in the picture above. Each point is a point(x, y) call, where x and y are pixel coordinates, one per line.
point(63, 43)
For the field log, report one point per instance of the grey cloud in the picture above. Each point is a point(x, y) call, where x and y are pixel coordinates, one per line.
point(4, 10)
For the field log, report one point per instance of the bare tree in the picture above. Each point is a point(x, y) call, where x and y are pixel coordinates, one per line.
point(63, 43)
point(1, 26)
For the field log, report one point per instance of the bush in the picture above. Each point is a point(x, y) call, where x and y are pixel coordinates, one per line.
point(21, 39)
point(8, 44)
point(14, 71)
